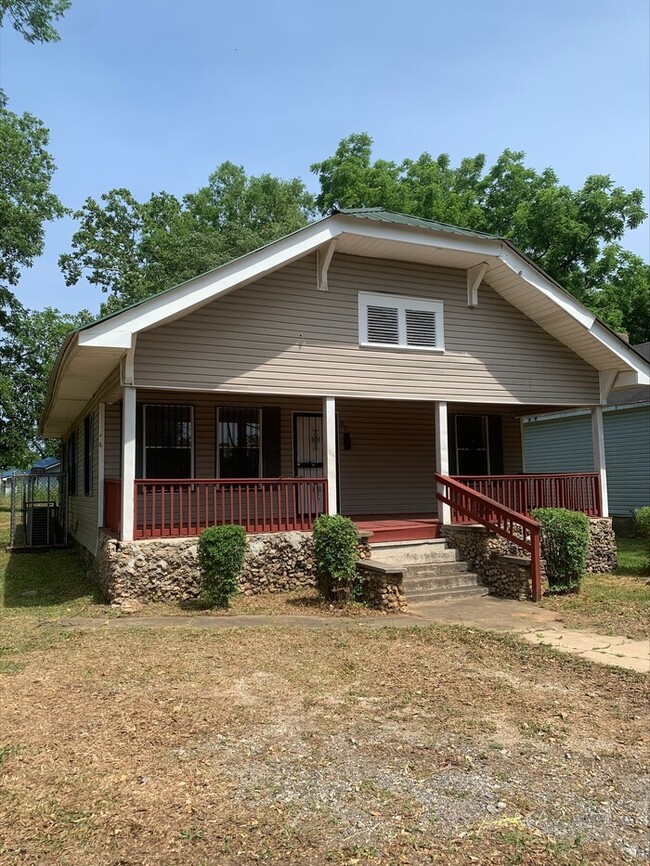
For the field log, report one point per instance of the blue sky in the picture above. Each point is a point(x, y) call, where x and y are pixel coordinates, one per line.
point(154, 94)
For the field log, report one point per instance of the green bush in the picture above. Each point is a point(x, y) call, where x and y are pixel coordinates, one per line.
point(642, 521)
point(642, 526)
point(565, 539)
point(221, 558)
point(336, 540)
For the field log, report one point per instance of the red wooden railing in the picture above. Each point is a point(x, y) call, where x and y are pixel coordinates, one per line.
point(576, 491)
point(477, 508)
point(185, 507)
point(113, 504)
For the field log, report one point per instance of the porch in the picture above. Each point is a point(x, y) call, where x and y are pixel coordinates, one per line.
point(275, 464)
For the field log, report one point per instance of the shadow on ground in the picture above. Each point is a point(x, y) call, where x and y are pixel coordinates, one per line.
point(47, 578)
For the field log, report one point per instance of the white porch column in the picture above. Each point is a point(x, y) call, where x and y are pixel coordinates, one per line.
point(600, 465)
point(329, 452)
point(128, 461)
point(442, 454)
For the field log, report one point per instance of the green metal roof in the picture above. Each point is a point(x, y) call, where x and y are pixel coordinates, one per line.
point(404, 219)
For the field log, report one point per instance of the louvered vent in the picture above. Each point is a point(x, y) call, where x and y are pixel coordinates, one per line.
point(420, 328)
point(383, 325)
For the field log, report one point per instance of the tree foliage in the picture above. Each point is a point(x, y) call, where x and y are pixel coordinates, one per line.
point(28, 350)
point(133, 249)
point(26, 201)
point(572, 234)
point(34, 19)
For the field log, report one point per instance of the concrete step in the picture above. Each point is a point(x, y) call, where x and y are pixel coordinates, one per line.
point(440, 581)
point(412, 552)
point(414, 598)
point(430, 569)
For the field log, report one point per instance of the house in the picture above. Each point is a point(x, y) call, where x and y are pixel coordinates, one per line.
point(352, 366)
point(46, 465)
point(562, 442)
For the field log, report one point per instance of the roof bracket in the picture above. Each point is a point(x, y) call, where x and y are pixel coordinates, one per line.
point(475, 276)
point(607, 379)
point(323, 259)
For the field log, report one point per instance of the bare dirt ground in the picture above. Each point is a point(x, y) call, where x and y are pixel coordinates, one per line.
point(431, 745)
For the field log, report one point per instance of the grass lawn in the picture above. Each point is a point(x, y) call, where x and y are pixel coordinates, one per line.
point(616, 603)
point(300, 746)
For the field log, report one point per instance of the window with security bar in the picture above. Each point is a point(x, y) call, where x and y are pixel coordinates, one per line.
point(239, 440)
point(167, 441)
point(394, 321)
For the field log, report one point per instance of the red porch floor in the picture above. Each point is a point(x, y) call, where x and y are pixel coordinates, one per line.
point(398, 527)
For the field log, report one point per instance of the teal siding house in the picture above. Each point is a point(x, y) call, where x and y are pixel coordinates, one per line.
point(561, 442)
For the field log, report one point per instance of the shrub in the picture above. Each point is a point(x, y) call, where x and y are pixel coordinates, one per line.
point(221, 558)
point(336, 540)
point(642, 527)
point(565, 538)
point(642, 521)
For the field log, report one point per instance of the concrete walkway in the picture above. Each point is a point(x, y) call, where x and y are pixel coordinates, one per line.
point(534, 624)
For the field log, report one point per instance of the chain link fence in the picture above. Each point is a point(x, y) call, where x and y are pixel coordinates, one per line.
point(38, 513)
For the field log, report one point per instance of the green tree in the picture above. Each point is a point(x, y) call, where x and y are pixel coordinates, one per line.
point(572, 234)
point(34, 19)
point(29, 348)
point(134, 249)
point(26, 201)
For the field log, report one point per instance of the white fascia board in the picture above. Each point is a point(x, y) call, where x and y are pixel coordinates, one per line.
point(536, 279)
point(421, 237)
point(639, 374)
point(116, 332)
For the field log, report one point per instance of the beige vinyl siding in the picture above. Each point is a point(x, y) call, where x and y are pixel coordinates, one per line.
point(280, 335)
point(388, 469)
point(391, 464)
point(82, 509)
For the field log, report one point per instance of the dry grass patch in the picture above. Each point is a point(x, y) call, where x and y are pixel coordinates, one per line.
point(292, 746)
point(616, 604)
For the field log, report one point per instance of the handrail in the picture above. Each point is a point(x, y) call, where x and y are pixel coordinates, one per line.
point(187, 506)
point(577, 491)
point(497, 518)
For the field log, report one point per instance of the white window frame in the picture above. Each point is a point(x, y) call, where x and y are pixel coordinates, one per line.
point(401, 303)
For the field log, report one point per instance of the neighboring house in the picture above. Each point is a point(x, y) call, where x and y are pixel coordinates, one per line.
point(5, 480)
point(562, 442)
point(46, 464)
point(336, 369)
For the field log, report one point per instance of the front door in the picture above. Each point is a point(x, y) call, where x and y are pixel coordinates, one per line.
point(472, 445)
point(308, 450)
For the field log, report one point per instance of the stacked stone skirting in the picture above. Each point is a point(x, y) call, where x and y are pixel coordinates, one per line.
point(505, 567)
point(163, 569)
point(382, 591)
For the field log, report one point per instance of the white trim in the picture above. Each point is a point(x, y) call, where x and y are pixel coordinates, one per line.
point(441, 432)
point(606, 379)
point(181, 300)
point(475, 276)
point(600, 464)
point(401, 303)
point(329, 452)
point(101, 460)
point(129, 404)
point(323, 260)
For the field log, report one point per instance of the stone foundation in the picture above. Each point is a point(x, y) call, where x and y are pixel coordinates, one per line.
point(167, 568)
point(382, 591)
point(495, 559)
point(601, 553)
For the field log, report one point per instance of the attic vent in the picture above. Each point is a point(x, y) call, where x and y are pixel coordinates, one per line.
point(420, 328)
point(408, 323)
point(383, 325)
